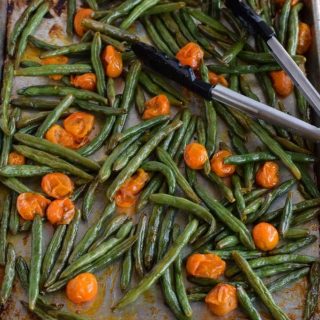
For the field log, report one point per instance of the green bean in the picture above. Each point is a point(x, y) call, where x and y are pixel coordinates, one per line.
point(108, 111)
point(63, 315)
point(71, 11)
point(211, 33)
point(6, 145)
point(65, 50)
point(125, 157)
point(65, 251)
point(243, 69)
point(142, 154)
point(51, 161)
point(239, 196)
point(302, 106)
point(40, 44)
point(9, 273)
point(308, 182)
point(20, 25)
point(137, 12)
point(14, 215)
point(304, 217)
point(159, 268)
point(109, 30)
point(297, 233)
point(113, 225)
point(286, 216)
point(253, 206)
point(36, 259)
point(234, 50)
point(196, 297)
point(138, 248)
point(121, 46)
point(54, 115)
point(272, 260)
point(283, 21)
point(89, 199)
point(226, 191)
point(227, 242)
point(293, 29)
point(4, 228)
point(29, 28)
point(97, 64)
point(34, 103)
point(92, 4)
point(22, 270)
point(246, 304)
point(24, 171)
point(294, 246)
point(226, 217)
point(227, 254)
point(201, 134)
point(312, 298)
point(15, 185)
point(92, 233)
point(127, 268)
point(140, 100)
point(58, 150)
point(41, 314)
point(163, 8)
point(259, 287)
point(182, 182)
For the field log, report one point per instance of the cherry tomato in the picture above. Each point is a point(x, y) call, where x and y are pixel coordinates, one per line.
point(217, 79)
point(282, 83)
point(55, 60)
point(87, 81)
point(205, 265)
point(16, 159)
point(222, 299)
point(57, 185)
point(304, 38)
point(265, 236)
point(29, 204)
point(268, 175)
point(81, 14)
point(157, 106)
point(82, 288)
point(61, 211)
point(79, 124)
point(218, 167)
point(112, 61)
point(190, 55)
point(195, 155)
point(280, 3)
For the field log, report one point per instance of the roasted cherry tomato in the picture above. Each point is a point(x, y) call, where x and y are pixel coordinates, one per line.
point(112, 62)
point(57, 185)
point(280, 3)
point(61, 211)
point(16, 159)
point(195, 155)
point(29, 204)
point(222, 299)
point(265, 236)
point(205, 265)
point(126, 196)
point(190, 55)
point(267, 175)
point(282, 83)
point(79, 124)
point(55, 60)
point(218, 166)
point(81, 14)
point(157, 106)
point(304, 38)
point(87, 81)
point(82, 288)
point(218, 79)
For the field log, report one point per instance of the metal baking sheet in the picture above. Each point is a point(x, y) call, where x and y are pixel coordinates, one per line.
point(150, 305)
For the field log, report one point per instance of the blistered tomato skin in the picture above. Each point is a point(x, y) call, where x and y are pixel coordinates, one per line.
point(304, 38)
point(83, 288)
point(267, 175)
point(79, 125)
point(157, 106)
point(61, 211)
point(219, 167)
point(87, 81)
point(265, 236)
point(112, 62)
point(222, 299)
point(217, 79)
point(81, 14)
point(30, 204)
point(195, 156)
point(190, 55)
point(57, 185)
point(16, 159)
point(282, 83)
point(58, 135)
point(205, 265)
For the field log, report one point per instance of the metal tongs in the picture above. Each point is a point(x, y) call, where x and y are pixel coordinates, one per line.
point(172, 69)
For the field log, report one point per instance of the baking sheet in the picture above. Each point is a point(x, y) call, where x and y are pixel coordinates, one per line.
point(151, 305)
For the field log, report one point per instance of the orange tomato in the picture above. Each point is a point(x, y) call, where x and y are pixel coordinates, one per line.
point(222, 299)
point(280, 3)
point(268, 175)
point(190, 55)
point(112, 62)
point(265, 236)
point(29, 204)
point(215, 79)
point(195, 155)
point(205, 265)
point(218, 167)
point(16, 159)
point(57, 185)
point(79, 124)
point(304, 38)
point(61, 211)
point(82, 288)
point(281, 83)
point(87, 81)
point(81, 14)
point(56, 134)
point(157, 106)
point(55, 60)
point(126, 196)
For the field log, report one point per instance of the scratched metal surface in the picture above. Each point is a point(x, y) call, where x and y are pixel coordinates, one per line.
point(151, 305)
